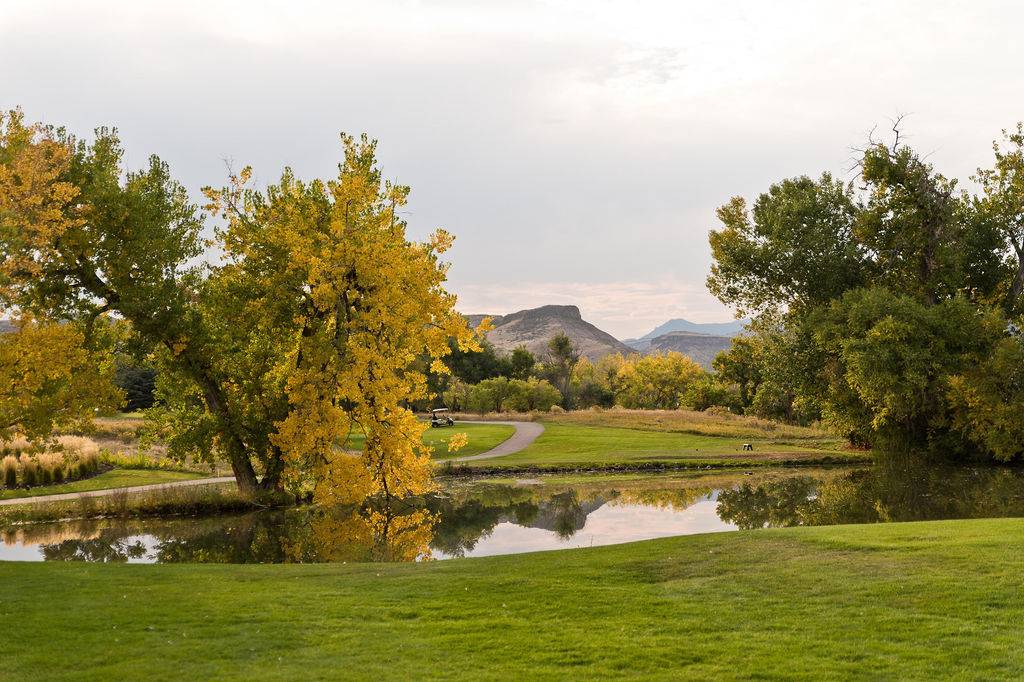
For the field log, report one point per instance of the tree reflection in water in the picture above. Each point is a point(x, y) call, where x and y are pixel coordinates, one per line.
point(895, 489)
point(453, 523)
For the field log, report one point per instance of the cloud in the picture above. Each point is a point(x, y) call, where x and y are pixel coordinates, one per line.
point(574, 148)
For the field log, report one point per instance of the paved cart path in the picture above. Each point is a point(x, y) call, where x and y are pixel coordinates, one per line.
point(526, 433)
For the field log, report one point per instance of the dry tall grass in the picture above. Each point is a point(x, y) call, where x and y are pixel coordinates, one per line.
point(124, 429)
point(70, 458)
point(51, 468)
point(16, 446)
point(78, 445)
point(9, 471)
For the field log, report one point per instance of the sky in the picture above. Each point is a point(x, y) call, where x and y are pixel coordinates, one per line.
point(577, 150)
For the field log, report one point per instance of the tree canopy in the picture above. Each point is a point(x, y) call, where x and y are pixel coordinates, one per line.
point(307, 328)
point(895, 301)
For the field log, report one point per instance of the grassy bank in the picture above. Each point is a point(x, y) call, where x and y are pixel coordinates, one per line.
point(114, 478)
point(907, 601)
point(566, 445)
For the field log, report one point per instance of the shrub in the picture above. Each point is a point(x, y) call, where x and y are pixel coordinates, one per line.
point(45, 473)
point(58, 472)
point(51, 468)
point(88, 464)
point(9, 471)
point(142, 461)
point(29, 472)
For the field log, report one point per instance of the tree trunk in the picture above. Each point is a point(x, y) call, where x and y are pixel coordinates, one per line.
point(1018, 282)
point(245, 475)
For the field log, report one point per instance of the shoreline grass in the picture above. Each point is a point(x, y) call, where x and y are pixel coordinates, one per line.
point(495, 468)
point(195, 500)
point(898, 601)
point(112, 478)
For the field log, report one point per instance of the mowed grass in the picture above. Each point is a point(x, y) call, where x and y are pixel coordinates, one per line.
point(567, 444)
point(935, 600)
point(708, 423)
point(482, 437)
point(114, 478)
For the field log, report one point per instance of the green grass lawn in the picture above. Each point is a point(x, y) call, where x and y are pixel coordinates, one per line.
point(564, 444)
point(482, 437)
point(115, 478)
point(932, 600)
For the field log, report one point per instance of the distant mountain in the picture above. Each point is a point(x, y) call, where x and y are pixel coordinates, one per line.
point(702, 348)
point(710, 328)
point(727, 329)
point(534, 328)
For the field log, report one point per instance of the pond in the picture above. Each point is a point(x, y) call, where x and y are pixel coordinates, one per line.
point(486, 517)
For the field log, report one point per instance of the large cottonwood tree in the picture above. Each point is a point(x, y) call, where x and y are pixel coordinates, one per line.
point(307, 328)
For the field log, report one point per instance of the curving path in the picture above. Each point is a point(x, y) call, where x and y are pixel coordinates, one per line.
point(526, 433)
point(110, 491)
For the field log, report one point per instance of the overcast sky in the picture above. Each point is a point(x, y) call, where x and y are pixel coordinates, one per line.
point(576, 149)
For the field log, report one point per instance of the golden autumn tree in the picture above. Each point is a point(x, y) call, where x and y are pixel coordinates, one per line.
point(309, 327)
point(50, 378)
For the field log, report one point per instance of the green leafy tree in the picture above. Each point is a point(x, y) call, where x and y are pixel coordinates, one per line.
point(741, 366)
point(794, 248)
point(474, 365)
point(520, 364)
point(988, 401)
point(871, 299)
point(1003, 204)
point(561, 361)
point(890, 357)
point(533, 394)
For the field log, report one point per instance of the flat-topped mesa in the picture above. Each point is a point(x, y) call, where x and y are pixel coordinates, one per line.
point(569, 312)
point(534, 328)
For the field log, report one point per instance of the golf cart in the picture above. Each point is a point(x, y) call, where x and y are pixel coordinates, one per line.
point(439, 417)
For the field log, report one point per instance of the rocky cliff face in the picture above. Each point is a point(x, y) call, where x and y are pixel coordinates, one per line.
point(534, 328)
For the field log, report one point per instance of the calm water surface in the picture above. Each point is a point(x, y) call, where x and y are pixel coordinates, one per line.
point(505, 517)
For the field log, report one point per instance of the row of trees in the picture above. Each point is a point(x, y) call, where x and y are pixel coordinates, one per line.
point(891, 306)
point(659, 382)
point(501, 394)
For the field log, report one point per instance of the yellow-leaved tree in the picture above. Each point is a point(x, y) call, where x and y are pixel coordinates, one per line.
point(49, 379)
point(311, 326)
